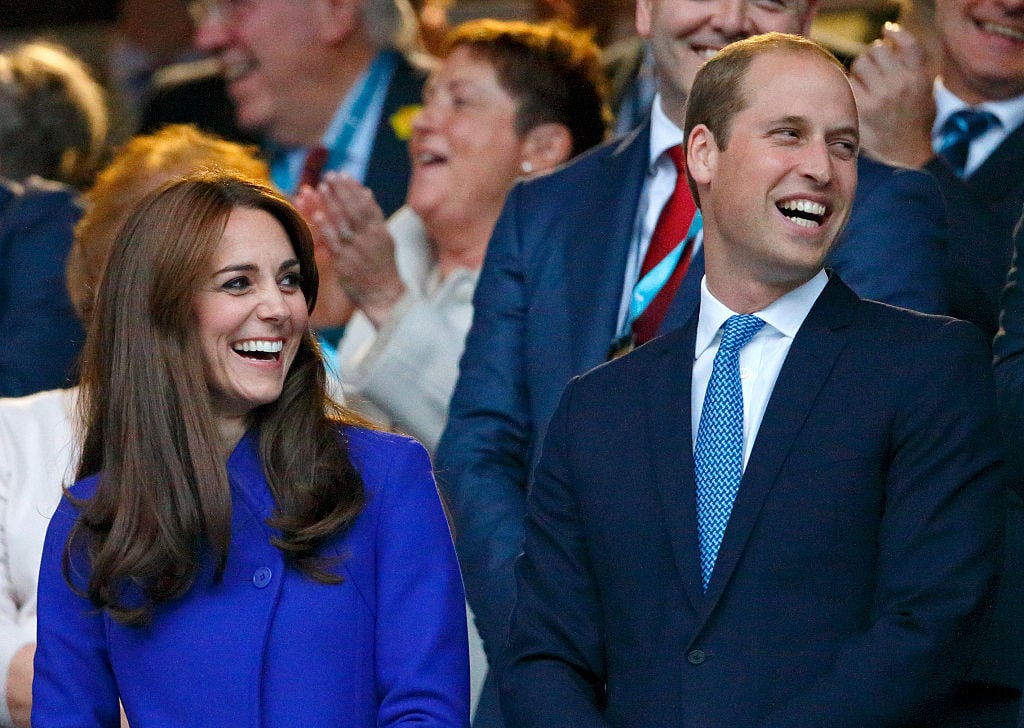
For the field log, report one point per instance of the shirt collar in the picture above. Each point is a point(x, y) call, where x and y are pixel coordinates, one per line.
point(785, 314)
point(1010, 112)
point(664, 133)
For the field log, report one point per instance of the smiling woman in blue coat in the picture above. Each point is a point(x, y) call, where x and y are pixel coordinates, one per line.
point(238, 550)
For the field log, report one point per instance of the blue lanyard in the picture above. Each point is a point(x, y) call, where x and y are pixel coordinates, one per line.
point(648, 287)
point(285, 173)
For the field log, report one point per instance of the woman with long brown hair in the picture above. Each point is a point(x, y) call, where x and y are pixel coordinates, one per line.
point(237, 550)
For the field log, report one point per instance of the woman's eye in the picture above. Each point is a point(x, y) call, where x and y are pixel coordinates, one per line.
point(292, 280)
point(236, 284)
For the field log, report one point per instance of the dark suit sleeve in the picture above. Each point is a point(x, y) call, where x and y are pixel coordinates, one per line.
point(42, 335)
point(939, 548)
point(979, 250)
point(555, 666)
point(1009, 361)
point(894, 247)
point(483, 456)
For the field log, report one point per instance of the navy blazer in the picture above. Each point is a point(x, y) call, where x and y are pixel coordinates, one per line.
point(40, 330)
point(546, 308)
point(861, 548)
point(268, 646)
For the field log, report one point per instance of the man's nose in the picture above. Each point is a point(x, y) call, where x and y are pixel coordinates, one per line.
point(732, 20)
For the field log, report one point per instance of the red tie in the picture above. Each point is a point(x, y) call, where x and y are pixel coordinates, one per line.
point(673, 224)
point(313, 167)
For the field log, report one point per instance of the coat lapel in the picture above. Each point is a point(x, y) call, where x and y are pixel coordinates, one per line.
point(815, 348)
point(669, 432)
point(595, 263)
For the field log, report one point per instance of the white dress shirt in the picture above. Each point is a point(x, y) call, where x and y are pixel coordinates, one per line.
point(760, 360)
point(1010, 113)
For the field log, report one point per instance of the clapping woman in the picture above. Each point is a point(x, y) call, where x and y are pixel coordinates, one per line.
point(238, 551)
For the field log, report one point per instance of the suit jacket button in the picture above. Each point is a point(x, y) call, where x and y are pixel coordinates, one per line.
point(696, 657)
point(261, 577)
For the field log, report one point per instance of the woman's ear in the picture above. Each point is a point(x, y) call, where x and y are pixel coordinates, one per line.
point(545, 147)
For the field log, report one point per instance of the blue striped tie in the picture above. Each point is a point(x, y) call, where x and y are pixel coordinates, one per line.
point(957, 133)
point(718, 454)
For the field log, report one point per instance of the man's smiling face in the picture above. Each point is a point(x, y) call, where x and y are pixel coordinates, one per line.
point(685, 33)
point(983, 48)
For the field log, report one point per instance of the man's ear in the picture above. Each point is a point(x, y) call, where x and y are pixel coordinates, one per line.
point(643, 18)
point(546, 146)
point(337, 19)
point(701, 154)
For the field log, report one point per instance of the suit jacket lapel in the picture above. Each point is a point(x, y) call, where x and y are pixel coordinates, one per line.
point(595, 263)
point(811, 357)
point(667, 393)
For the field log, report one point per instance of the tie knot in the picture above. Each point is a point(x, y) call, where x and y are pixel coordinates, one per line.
point(678, 157)
point(965, 126)
point(739, 329)
point(313, 167)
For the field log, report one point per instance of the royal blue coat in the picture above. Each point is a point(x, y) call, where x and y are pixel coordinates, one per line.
point(267, 646)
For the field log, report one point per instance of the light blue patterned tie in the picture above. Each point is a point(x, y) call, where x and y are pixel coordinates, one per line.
point(957, 133)
point(718, 454)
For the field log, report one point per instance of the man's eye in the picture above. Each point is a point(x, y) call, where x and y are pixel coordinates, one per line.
point(845, 149)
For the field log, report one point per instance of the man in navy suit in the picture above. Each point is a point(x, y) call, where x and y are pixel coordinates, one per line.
point(561, 266)
point(905, 110)
point(841, 581)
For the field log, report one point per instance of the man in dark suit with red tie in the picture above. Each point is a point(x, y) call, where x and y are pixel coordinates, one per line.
point(787, 512)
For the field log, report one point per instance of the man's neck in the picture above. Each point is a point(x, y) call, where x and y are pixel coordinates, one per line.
point(977, 91)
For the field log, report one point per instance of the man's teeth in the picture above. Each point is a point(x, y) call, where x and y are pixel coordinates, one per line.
point(812, 208)
point(707, 53)
point(264, 347)
point(805, 213)
point(1003, 30)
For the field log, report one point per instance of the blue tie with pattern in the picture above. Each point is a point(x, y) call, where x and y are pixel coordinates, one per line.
point(957, 133)
point(718, 454)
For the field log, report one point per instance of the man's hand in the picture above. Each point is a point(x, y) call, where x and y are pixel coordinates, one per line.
point(893, 82)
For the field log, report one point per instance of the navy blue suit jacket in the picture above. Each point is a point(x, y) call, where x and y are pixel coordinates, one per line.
point(862, 545)
point(546, 309)
point(41, 333)
point(982, 212)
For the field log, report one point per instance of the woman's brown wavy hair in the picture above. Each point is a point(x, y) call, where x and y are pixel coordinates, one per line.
point(163, 496)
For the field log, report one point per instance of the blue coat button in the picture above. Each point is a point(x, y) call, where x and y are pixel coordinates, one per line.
point(261, 577)
point(696, 657)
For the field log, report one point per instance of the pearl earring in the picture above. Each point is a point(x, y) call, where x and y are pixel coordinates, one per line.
point(527, 167)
